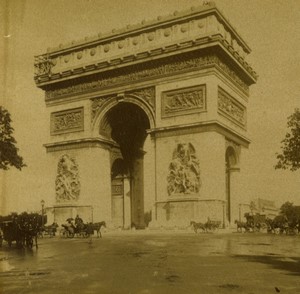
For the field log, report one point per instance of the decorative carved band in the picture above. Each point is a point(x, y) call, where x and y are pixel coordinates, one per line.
point(190, 64)
point(231, 107)
point(147, 94)
point(67, 121)
point(187, 100)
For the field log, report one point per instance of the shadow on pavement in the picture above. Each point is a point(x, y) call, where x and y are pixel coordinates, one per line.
point(290, 264)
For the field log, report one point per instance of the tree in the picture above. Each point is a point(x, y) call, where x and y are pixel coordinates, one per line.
point(290, 156)
point(291, 212)
point(8, 151)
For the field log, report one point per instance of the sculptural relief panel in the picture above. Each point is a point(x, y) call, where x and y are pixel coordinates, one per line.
point(184, 171)
point(183, 101)
point(231, 107)
point(66, 121)
point(67, 184)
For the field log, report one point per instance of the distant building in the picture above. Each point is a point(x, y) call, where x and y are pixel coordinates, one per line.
point(266, 207)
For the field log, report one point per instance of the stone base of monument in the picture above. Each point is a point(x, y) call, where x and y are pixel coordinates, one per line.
point(62, 212)
point(178, 212)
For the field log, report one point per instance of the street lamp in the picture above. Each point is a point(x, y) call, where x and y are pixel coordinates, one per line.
point(42, 203)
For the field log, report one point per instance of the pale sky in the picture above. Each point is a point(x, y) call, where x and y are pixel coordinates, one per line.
point(270, 27)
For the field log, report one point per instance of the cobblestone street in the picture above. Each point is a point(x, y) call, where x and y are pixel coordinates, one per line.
point(154, 262)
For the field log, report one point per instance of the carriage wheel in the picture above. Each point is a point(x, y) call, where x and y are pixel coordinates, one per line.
point(70, 235)
point(63, 233)
point(29, 243)
point(86, 235)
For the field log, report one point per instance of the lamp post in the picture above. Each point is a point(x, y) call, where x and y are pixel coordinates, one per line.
point(43, 204)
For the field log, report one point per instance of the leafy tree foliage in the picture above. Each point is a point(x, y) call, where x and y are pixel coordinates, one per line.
point(8, 151)
point(291, 212)
point(290, 156)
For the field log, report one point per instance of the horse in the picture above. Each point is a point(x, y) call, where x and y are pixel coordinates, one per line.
point(212, 225)
point(241, 225)
point(279, 224)
point(50, 230)
point(197, 226)
point(68, 230)
point(31, 231)
point(97, 227)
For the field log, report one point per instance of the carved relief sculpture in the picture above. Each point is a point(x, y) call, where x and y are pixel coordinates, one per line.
point(228, 105)
point(43, 65)
point(154, 72)
point(96, 105)
point(183, 101)
point(147, 94)
point(67, 184)
point(184, 171)
point(67, 121)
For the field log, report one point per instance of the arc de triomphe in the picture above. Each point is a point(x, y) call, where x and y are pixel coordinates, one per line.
point(147, 124)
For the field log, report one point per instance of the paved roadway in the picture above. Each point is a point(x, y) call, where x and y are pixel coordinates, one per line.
point(147, 262)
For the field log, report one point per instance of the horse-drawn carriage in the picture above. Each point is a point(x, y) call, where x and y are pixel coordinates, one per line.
point(49, 230)
point(69, 231)
point(254, 223)
point(22, 229)
point(280, 224)
point(81, 229)
point(209, 226)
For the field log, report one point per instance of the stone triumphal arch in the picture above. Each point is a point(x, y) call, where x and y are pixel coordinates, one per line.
point(147, 123)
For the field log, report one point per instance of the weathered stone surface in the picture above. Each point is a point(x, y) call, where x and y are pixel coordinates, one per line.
point(156, 119)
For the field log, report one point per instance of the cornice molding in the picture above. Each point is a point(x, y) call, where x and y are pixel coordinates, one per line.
point(81, 143)
point(200, 127)
point(208, 8)
point(47, 77)
point(152, 71)
point(182, 32)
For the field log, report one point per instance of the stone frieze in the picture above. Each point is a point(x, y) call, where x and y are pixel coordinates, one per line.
point(188, 100)
point(231, 107)
point(187, 28)
point(178, 67)
point(66, 121)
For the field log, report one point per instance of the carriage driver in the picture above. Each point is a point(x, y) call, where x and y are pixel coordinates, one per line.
point(78, 221)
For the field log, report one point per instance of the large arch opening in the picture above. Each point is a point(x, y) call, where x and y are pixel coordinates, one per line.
point(126, 124)
point(231, 162)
